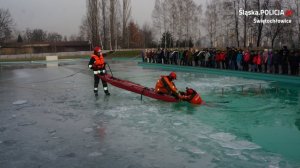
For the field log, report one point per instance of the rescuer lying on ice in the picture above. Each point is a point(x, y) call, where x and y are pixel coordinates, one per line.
point(165, 85)
point(97, 64)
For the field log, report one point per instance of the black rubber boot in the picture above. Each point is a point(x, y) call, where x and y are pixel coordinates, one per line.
point(96, 93)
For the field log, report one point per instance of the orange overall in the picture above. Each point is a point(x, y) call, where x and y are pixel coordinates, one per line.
point(165, 86)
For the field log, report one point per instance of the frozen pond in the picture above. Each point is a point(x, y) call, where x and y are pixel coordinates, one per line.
point(50, 118)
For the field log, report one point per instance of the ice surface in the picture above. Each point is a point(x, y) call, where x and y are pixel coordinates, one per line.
point(67, 127)
point(95, 154)
point(88, 130)
point(177, 123)
point(20, 102)
point(196, 151)
point(227, 140)
point(221, 136)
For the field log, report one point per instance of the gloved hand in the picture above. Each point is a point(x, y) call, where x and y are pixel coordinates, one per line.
point(182, 93)
point(181, 97)
point(94, 67)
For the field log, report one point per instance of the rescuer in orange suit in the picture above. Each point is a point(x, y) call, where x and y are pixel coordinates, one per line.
point(97, 64)
point(165, 85)
point(191, 96)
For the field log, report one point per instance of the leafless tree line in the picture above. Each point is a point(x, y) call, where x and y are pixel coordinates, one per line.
point(185, 22)
point(109, 24)
point(102, 23)
point(39, 35)
point(8, 32)
point(226, 27)
point(6, 25)
point(180, 18)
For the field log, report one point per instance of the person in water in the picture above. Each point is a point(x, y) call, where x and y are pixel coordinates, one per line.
point(191, 96)
point(165, 85)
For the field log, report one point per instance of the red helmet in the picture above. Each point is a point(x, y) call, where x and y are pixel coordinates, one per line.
point(189, 91)
point(97, 50)
point(173, 75)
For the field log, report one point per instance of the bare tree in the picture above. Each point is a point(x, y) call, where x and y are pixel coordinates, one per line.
point(27, 35)
point(189, 12)
point(125, 19)
point(180, 18)
point(147, 36)
point(297, 3)
point(193, 24)
point(35, 35)
point(211, 20)
point(136, 39)
point(164, 15)
point(275, 29)
point(85, 32)
point(156, 17)
point(226, 28)
point(6, 25)
point(93, 21)
point(180, 8)
point(118, 27)
point(112, 23)
point(245, 21)
point(197, 24)
point(172, 15)
point(260, 26)
point(165, 20)
point(54, 37)
point(75, 37)
point(65, 38)
point(104, 24)
point(236, 22)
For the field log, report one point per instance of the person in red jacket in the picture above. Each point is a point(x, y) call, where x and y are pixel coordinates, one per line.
point(97, 64)
point(257, 61)
point(246, 60)
point(165, 85)
point(218, 59)
point(223, 59)
point(191, 96)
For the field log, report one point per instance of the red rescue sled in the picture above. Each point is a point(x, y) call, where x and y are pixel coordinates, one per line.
point(136, 88)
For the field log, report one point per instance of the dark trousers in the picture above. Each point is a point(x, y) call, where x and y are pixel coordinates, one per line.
point(266, 67)
point(276, 68)
point(294, 68)
point(285, 69)
point(96, 83)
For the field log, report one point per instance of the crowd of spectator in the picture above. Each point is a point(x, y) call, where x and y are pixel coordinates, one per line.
point(283, 61)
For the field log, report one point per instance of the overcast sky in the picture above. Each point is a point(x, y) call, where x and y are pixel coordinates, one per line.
point(64, 16)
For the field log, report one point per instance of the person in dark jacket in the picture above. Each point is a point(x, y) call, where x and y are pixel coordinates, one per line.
point(276, 61)
point(284, 54)
point(294, 62)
